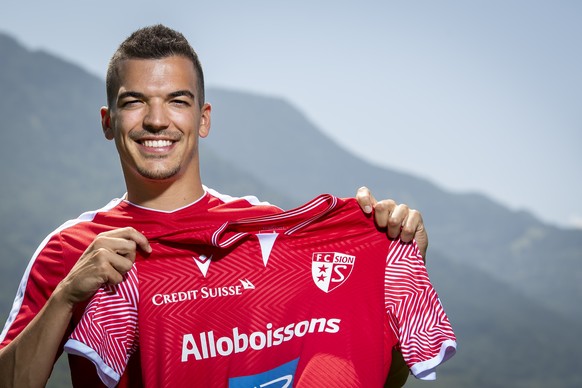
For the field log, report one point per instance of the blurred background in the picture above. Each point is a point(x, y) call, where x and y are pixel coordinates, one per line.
point(476, 96)
point(468, 111)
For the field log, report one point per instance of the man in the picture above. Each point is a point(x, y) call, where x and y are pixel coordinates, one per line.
point(156, 114)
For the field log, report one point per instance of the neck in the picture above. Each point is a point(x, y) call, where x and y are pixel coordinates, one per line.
point(164, 195)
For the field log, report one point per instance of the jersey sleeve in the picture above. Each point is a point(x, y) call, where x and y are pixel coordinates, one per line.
point(417, 318)
point(44, 272)
point(107, 333)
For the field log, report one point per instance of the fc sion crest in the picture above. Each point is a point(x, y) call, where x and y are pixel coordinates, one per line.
point(330, 270)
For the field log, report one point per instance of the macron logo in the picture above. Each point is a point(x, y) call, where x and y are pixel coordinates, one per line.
point(203, 263)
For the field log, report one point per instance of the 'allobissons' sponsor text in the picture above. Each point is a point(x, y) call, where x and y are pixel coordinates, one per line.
point(206, 345)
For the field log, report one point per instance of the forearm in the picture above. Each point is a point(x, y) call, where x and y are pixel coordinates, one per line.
point(28, 360)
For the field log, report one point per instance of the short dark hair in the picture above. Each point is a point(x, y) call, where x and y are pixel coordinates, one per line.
point(153, 42)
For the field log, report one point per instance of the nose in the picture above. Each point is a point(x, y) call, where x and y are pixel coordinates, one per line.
point(156, 118)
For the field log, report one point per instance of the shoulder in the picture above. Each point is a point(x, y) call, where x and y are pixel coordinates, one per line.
point(83, 229)
point(51, 261)
point(73, 236)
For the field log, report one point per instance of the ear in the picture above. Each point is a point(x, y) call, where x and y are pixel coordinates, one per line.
point(204, 128)
point(106, 123)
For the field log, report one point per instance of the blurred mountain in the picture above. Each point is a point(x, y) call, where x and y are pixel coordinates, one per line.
point(273, 141)
point(510, 284)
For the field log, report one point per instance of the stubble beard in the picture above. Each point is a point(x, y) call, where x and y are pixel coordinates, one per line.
point(158, 173)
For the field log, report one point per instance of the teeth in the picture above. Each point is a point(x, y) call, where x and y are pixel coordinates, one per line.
point(157, 143)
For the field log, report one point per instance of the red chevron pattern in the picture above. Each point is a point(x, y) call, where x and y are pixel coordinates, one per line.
point(109, 325)
point(417, 316)
point(192, 324)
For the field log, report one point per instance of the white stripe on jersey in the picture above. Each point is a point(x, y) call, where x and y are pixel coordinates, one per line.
point(85, 217)
point(227, 198)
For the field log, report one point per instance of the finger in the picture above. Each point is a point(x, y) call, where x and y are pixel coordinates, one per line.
point(422, 242)
point(131, 234)
point(399, 223)
point(413, 228)
point(102, 261)
point(420, 234)
point(117, 246)
point(113, 277)
point(410, 225)
point(140, 240)
point(365, 199)
point(396, 220)
point(121, 264)
point(383, 211)
point(108, 267)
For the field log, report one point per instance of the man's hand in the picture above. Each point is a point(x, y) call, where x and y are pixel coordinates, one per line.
point(28, 360)
point(109, 257)
point(399, 220)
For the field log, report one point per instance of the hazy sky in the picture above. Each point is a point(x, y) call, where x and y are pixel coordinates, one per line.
point(474, 95)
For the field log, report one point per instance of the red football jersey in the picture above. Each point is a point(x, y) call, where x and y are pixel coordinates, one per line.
point(315, 296)
point(57, 254)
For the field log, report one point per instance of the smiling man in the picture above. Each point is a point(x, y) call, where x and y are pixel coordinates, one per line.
point(156, 115)
point(156, 119)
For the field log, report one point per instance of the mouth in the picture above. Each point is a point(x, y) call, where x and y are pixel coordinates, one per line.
point(157, 147)
point(156, 143)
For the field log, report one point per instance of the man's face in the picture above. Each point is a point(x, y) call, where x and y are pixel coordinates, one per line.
point(156, 118)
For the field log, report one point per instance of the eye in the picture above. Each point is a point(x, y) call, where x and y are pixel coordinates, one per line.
point(128, 103)
point(180, 102)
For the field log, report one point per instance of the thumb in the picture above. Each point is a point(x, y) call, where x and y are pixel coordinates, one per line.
point(365, 199)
